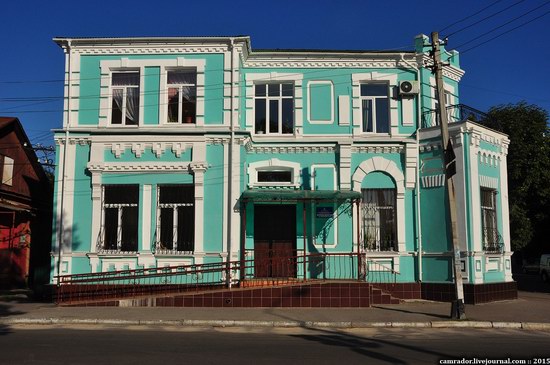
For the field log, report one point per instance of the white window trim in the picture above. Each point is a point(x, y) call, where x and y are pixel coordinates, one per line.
point(320, 121)
point(174, 207)
point(119, 223)
point(273, 165)
point(7, 170)
point(252, 78)
point(373, 99)
point(280, 99)
point(363, 78)
point(125, 64)
point(180, 97)
point(382, 164)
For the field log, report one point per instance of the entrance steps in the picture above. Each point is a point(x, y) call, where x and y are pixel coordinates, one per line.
point(257, 294)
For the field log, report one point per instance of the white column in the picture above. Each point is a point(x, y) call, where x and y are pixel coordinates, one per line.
point(198, 172)
point(96, 210)
point(235, 194)
point(147, 219)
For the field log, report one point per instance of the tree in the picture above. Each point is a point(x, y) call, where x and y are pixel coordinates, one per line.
point(528, 173)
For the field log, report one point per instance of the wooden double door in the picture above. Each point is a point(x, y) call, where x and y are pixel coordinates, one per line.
point(275, 241)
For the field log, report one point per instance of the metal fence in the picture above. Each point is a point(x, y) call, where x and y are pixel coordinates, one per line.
point(281, 270)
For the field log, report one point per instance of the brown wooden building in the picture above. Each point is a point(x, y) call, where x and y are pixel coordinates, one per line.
point(25, 210)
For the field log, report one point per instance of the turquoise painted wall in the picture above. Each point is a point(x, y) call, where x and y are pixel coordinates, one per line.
point(82, 206)
point(90, 87)
point(341, 81)
point(213, 199)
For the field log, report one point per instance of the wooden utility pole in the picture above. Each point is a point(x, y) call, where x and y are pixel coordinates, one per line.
point(449, 165)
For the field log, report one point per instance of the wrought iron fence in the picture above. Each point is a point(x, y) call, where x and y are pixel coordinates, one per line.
point(126, 284)
point(492, 241)
point(457, 113)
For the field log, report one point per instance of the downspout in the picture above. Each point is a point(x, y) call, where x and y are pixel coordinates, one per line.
point(417, 189)
point(60, 235)
point(230, 169)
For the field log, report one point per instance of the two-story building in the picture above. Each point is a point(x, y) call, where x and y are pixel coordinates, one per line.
point(190, 150)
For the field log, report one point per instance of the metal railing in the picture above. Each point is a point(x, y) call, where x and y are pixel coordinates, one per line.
point(492, 241)
point(457, 113)
point(127, 284)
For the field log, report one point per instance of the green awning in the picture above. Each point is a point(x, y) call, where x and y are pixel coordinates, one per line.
point(267, 195)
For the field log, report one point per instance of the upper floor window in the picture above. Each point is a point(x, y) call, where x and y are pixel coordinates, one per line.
point(379, 219)
point(125, 98)
point(375, 107)
point(274, 108)
point(176, 218)
point(492, 241)
point(182, 96)
point(7, 170)
point(275, 176)
point(120, 217)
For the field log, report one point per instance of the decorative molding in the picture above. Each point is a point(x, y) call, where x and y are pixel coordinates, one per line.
point(120, 50)
point(320, 63)
point(289, 149)
point(151, 166)
point(488, 182)
point(427, 147)
point(138, 149)
point(433, 181)
point(273, 164)
point(377, 149)
point(158, 148)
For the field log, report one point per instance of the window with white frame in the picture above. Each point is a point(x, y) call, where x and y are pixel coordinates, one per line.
point(448, 108)
point(182, 96)
point(491, 238)
point(7, 170)
point(379, 219)
point(125, 98)
point(120, 218)
point(274, 176)
point(274, 108)
point(175, 218)
point(375, 107)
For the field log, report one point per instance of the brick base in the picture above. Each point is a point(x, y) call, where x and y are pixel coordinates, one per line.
point(473, 293)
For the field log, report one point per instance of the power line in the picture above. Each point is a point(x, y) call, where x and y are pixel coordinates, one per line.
point(482, 20)
point(470, 16)
point(508, 31)
point(503, 25)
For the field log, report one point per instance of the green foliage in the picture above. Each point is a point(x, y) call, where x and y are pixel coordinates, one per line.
point(528, 173)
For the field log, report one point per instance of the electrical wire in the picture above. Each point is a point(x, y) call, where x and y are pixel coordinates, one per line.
point(470, 16)
point(482, 20)
point(503, 25)
point(508, 31)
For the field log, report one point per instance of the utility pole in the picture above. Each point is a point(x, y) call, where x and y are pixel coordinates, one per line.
point(449, 164)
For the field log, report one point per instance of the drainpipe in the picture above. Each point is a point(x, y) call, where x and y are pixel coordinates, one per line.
point(60, 236)
point(230, 170)
point(417, 189)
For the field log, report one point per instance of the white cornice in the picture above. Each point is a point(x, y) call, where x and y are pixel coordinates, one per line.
point(452, 72)
point(151, 166)
point(325, 62)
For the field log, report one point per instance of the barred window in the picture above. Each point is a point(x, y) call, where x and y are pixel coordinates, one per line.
point(491, 237)
point(379, 219)
point(120, 217)
point(176, 218)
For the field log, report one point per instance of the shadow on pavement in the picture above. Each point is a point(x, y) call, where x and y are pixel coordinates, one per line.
point(375, 349)
point(412, 312)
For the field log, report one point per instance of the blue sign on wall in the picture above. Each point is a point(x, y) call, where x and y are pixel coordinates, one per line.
point(324, 212)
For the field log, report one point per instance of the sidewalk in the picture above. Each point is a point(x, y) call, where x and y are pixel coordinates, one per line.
point(530, 311)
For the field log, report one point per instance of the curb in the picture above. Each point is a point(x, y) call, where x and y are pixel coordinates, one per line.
point(532, 326)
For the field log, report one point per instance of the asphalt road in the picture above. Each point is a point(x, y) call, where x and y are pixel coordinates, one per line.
point(96, 345)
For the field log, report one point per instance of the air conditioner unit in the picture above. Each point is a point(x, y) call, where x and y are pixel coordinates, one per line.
point(407, 88)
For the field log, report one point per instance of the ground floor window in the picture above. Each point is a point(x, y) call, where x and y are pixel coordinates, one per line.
point(120, 217)
point(176, 218)
point(491, 238)
point(379, 228)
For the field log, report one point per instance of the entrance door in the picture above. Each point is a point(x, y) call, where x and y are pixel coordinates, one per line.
point(275, 241)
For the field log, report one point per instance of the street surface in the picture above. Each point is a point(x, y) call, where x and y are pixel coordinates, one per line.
point(111, 345)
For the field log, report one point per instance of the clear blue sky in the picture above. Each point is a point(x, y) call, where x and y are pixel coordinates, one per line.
point(508, 69)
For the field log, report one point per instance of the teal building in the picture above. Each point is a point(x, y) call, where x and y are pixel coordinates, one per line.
point(196, 150)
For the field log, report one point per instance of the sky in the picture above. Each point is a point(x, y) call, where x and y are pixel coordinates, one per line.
point(508, 69)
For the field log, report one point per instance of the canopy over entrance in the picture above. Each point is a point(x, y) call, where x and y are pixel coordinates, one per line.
point(270, 195)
